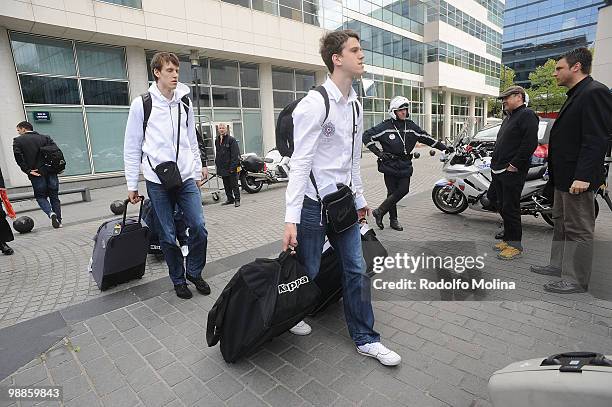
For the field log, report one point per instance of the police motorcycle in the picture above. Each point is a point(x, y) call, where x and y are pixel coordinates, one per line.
point(468, 177)
point(257, 171)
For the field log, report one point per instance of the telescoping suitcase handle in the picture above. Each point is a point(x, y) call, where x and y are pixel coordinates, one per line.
point(575, 361)
point(125, 203)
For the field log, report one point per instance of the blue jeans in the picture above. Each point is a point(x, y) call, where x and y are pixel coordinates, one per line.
point(46, 188)
point(189, 201)
point(355, 284)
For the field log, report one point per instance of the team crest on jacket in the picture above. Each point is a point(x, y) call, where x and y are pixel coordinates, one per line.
point(328, 129)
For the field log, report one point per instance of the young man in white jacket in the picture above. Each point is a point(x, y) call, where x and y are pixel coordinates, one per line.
point(156, 145)
point(323, 146)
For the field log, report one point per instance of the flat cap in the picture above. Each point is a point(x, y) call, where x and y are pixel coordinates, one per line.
point(515, 89)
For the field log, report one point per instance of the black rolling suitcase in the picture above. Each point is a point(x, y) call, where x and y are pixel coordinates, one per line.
point(264, 299)
point(329, 279)
point(120, 250)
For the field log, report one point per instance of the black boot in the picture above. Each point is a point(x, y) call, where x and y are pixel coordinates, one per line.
point(378, 217)
point(396, 225)
point(548, 270)
point(182, 291)
point(201, 285)
point(6, 249)
point(237, 203)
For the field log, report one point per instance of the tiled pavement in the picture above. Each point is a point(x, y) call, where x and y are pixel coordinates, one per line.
point(153, 352)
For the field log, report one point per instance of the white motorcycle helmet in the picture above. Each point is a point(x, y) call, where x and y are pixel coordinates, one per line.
point(398, 103)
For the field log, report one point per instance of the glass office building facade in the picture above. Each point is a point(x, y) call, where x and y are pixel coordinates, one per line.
point(535, 31)
point(79, 92)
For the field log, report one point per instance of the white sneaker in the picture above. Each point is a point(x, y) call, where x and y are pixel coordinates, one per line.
point(301, 328)
point(379, 351)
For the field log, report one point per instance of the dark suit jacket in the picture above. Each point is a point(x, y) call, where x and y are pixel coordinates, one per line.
point(580, 136)
point(228, 155)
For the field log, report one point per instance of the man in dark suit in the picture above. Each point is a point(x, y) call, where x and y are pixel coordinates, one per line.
point(578, 144)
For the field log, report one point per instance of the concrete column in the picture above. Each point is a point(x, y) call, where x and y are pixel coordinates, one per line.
point(12, 112)
point(485, 110)
point(137, 71)
point(267, 107)
point(320, 77)
point(472, 113)
point(447, 114)
point(427, 107)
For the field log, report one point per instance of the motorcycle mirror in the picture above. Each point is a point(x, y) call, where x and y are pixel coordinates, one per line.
point(432, 152)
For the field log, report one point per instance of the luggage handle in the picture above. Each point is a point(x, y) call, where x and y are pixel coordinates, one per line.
point(125, 202)
point(593, 359)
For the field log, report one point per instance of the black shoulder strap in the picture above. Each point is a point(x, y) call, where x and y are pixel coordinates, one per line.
point(147, 106)
point(186, 102)
point(321, 89)
point(355, 109)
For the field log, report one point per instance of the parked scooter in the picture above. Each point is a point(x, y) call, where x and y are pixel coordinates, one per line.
point(255, 171)
point(468, 178)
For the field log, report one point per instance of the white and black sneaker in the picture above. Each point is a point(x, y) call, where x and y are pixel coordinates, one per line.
point(301, 329)
point(379, 351)
point(55, 221)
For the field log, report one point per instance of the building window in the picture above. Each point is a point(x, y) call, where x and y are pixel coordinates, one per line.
point(128, 3)
point(289, 85)
point(85, 90)
point(439, 51)
point(228, 91)
point(389, 50)
point(376, 98)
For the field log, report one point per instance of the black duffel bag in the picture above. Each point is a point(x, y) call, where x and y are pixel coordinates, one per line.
point(329, 278)
point(264, 299)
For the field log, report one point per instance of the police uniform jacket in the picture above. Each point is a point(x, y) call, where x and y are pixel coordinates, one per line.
point(397, 138)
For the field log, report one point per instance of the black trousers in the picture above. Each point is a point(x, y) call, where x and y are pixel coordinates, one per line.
point(6, 234)
point(230, 183)
point(508, 187)
point(397, 188)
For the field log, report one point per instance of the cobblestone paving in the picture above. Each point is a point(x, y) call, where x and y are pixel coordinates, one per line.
point(153, 353)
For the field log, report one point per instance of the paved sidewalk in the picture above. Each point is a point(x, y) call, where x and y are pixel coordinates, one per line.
point(143, 346)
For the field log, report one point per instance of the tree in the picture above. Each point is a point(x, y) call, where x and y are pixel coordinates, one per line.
point(545, 95)
point(506, 79)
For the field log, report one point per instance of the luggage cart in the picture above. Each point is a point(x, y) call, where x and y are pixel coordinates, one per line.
point(211, 184)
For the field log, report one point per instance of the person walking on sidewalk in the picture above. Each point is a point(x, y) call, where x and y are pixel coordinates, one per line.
point(26, 148)
point(579, 141)
point(6, 234)
point(516, 141)
point(397, 136)
point(165, 144)
point(320, 161)
point(227, 160)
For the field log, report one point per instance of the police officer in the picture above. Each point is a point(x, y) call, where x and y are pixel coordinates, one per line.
point(397, 137)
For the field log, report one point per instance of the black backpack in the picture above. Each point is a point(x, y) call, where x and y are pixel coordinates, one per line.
point(284, 123)
point(262, 300)
point(51, 159)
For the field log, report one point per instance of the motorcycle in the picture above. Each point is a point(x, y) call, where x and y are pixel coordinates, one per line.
point(255, 171)
point(468, 179)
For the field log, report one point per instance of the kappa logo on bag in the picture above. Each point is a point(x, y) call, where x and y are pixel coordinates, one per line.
point(289, 287)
